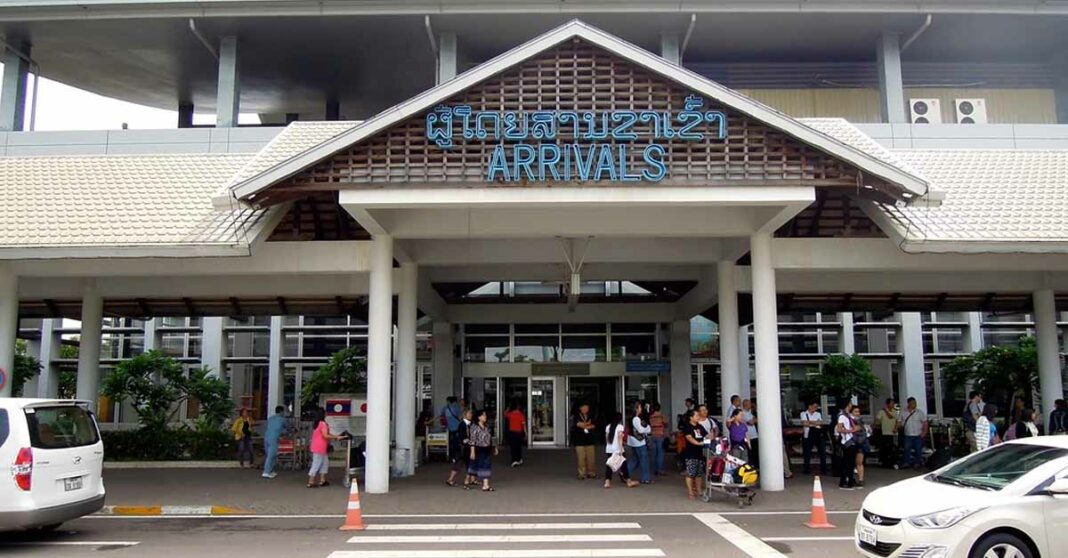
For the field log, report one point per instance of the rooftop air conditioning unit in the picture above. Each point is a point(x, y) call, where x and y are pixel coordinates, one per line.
point(971, 111)
point(925, 111)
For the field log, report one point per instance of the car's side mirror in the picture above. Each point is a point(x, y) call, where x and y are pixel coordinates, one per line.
point(1058, 487)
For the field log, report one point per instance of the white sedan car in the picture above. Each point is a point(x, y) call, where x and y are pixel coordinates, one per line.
point(1009, 501)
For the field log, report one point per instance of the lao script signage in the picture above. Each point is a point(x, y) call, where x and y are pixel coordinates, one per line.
point(593, 145)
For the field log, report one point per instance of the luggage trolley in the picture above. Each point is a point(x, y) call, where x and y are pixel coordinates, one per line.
point(722, 462)
point(354, 460)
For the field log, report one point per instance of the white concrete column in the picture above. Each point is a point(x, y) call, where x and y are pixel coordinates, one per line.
point(379, 328)
point(442, 372)
point(228, 96)
point(89, 345)
point(911, 380)
point(275, 346)
point(448, 57)
point(973, 334)
point(1050, 377)
point(730, 375)
point(405, 390)
point(33, 348)
point(891, 84)
point(679, 349)
point(48, 381)
point(212, 345)
point(847, 342)
point(13, 89)
point(671, 48)
point(768, 394)
point(745, 365)
point(153, 339)
point(9, 327)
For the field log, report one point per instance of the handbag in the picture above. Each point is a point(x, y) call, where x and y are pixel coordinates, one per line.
point(615, 461)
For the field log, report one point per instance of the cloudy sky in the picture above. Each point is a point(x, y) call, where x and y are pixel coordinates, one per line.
point(61, 107)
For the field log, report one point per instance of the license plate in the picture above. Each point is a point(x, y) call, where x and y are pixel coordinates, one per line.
point(74, 483)
point(867, 535)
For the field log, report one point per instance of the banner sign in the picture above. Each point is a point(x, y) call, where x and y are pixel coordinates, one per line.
point(603, 146)
point(650, 367)
point(560, 369)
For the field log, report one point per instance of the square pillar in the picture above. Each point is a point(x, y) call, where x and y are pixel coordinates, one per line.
point(448, 57)
point(745, 366)
point(379, 343)
point(670, 48)
point(679, 353)
point(1050, 378)
point(89, 345)
point(891, 84)
point(185, 115)
point(228, 97)
point(212, 349)
point(48, 351)
point(730, 374)
point(1059, 66)
point(13, 89)
point(973, 334)
point(847, 343)
point(9, 327)
point(275, 346)
point(405, 390)
point(768, 388)
point(911, 379)
point(443, 382)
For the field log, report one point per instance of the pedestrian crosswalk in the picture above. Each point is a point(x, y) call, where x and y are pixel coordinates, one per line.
point(501, 540)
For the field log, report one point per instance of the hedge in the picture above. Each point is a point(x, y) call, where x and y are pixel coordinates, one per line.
point(168, 445)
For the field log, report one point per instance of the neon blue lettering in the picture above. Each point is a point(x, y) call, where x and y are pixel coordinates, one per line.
point(655, 170)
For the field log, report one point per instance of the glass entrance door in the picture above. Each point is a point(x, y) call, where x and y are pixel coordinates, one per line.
point(542, 407)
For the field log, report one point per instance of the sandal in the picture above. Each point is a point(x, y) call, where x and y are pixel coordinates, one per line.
point(450, 483)
point(313, 486)
point(324, 483)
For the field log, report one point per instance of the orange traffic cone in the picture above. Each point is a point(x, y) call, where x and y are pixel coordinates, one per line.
point(818, 520)
point(353, 516)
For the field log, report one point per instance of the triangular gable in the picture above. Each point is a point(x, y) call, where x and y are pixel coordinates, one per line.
point(577, 68)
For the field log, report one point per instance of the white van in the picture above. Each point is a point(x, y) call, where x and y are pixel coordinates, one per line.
point(51, 460)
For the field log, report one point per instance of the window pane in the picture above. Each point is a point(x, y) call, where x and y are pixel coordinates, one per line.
point(585, 328)
point(644, 388)
point(585, 348)
point(61, 427)
point(543, 348)
point(481, 329)
point(634, 347)
point(537, 328)
point(641, 328)
point(486, 349)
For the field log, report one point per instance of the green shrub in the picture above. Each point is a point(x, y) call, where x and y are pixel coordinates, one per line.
point(168, 445)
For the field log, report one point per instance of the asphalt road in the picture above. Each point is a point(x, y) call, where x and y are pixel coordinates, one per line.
point(681, 535)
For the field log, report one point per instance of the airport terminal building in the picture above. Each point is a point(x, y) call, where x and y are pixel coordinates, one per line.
point(609, 204)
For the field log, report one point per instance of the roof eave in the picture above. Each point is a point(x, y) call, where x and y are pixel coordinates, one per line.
point(112, 251)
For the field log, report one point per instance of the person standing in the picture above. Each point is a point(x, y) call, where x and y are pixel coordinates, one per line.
point(861, 439)
point(738, 433)
point(613, 445)
point(986, 432)
point(972, 411)
point(657, 438)
point(736, 403)
point(1026, 427)
point(585, 438)
point(462, 460)
point(813, 438)
point(710, 425)
point(682, 420)
point(517, 432)
point(846, 429)
point(887, 432)
point(451, 416)
point(750, 417)
point(1058, 419)
point(242, 430)
point(319, 446)
point(914, 424)
point(693, 454)
point(637, 441)
point(482, 451)
point(275, 425)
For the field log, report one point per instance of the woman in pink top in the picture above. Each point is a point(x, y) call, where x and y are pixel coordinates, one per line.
point(319, 446)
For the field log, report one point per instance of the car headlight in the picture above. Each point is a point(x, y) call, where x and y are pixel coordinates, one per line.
point(942, 519)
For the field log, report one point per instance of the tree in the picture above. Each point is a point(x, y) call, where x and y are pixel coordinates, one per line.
point(345, 373)
point(841, 377)
point(26, 367)
point(1000, 373)
point(158, 385)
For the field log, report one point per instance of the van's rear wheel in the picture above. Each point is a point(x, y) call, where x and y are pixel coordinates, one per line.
point(49, 528)
point(1001, 545)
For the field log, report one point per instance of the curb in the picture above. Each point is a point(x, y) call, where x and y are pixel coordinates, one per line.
point(171, 465)
point(152, 511)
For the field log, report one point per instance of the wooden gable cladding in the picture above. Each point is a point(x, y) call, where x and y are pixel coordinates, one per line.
point(317, 217)
point(834, 214)
point(574, 76)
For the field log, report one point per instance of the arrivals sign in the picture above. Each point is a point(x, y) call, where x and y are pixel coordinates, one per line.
point(614, 146)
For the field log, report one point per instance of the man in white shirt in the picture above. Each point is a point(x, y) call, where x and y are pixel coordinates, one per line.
point(636, 441)
point(736, 402)
point(914, 423)
point(812, 421)
point(706, 421)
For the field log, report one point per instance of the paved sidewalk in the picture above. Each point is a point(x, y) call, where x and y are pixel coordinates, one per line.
point(545, 484)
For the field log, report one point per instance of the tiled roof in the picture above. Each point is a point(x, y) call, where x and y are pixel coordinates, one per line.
point(840, 129)
point(120, 201)
point(990, 196)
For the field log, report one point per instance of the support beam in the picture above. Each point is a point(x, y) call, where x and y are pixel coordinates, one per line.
point(1050, 378)
point(379, 343)
point(89, 345)
point(448, 57)
point(228, 97)
point(911, 379)
point(48, 381)
point(670, 48)
point(1060, 85)
point(745, 364)
point(9, 327)
point(13, 88)
point(275, 346)
point(973, 334)
point(333, 110)
point(185, 115)
point(730, 371)
point(847, 344)
point(679, 350)
point(768, 395)
point(443, 376)
point(891, 84)
point(405, 389)
point(212, 345)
